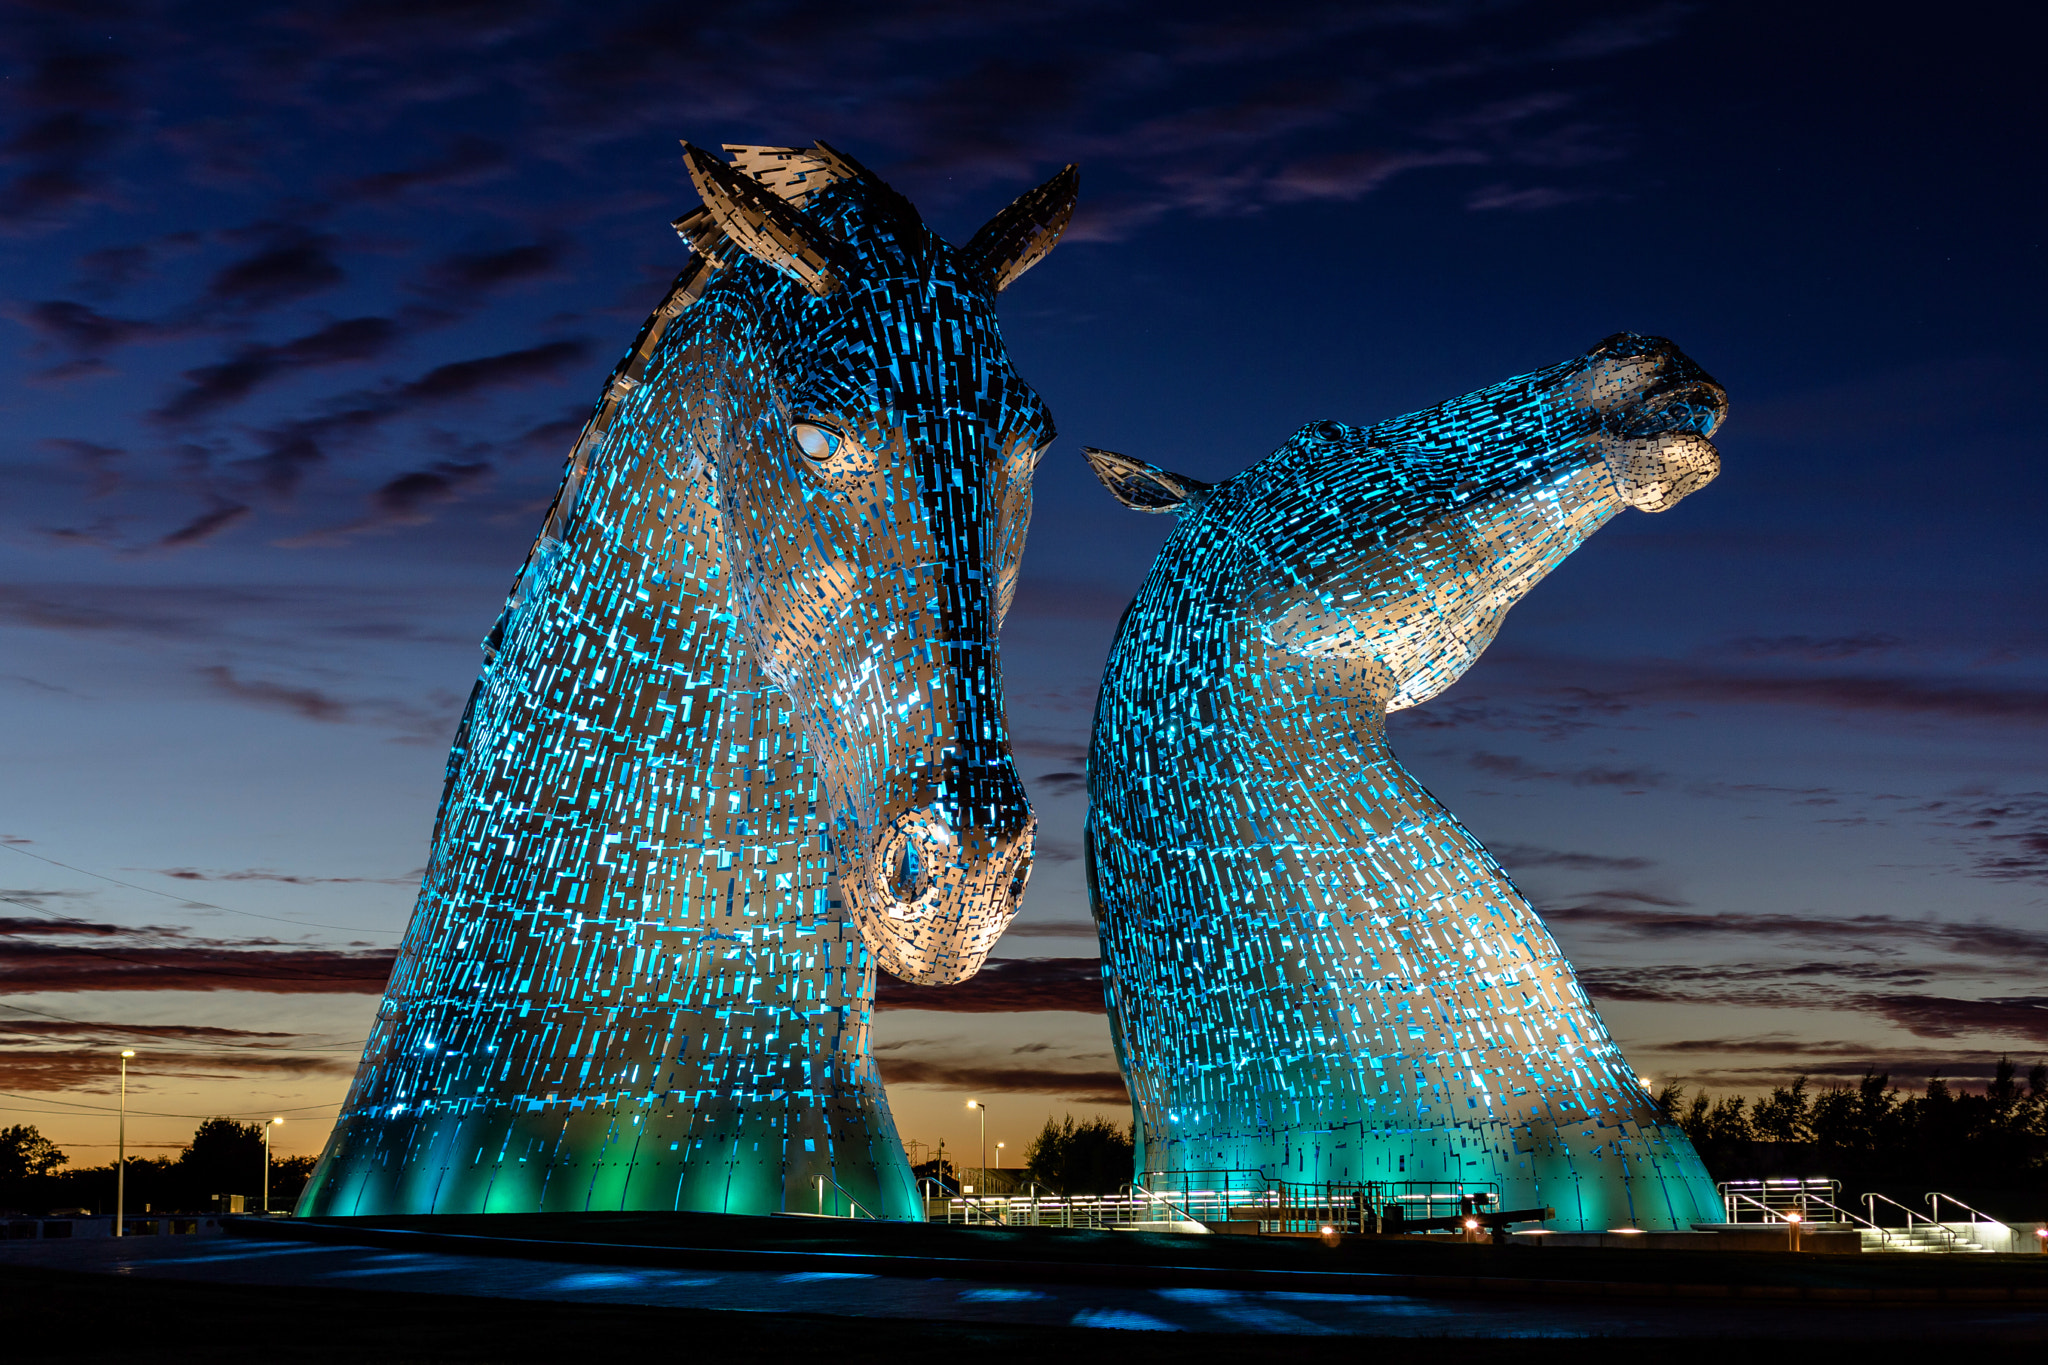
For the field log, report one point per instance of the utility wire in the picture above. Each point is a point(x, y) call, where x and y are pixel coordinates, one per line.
point(145, 1031)
point(271, 974)
point(207, 905)
point(153, 1114)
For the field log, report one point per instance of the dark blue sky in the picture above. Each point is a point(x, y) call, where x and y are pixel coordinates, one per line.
point(306, 303)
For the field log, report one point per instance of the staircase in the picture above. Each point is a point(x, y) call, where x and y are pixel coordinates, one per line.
point(1920, 1237)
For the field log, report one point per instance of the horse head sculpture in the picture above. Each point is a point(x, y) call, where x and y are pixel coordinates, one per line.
point(740, 738)
point(877, 485)
point(1314, 972)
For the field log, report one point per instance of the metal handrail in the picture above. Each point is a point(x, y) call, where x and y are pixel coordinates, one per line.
point(1032, 1187)
point(1934, 1202)
point(966, 1198)
point(1771, 1214)
point(1284, 1196)
point(1883, 1233)
point(1789, 1218)
point(1186, 1216)
point(824, 1180)
point(1870, 1202)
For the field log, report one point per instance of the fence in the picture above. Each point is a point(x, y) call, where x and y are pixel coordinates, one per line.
point(1182, 1201)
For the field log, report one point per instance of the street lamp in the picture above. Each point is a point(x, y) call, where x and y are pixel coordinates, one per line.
point(978, 1105)
point(266, 1162)
point(121, 1150)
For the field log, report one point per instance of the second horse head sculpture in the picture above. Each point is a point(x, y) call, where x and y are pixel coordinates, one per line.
point(1314, 973)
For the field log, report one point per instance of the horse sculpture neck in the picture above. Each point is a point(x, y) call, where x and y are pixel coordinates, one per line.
point(635, 977)
point(1314, 973)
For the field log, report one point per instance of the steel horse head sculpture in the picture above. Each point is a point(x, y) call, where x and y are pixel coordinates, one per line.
point(739, 739)
point(1313, 971)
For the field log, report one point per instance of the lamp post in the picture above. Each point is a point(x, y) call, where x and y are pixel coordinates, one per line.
point(983, 1110)
point(121, 1151)
point(266, 1162)
point(999, 1157)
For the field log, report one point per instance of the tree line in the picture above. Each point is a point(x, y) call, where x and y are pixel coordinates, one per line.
point(224, 1157)
point(1094, 1156)
point(1870, 1136)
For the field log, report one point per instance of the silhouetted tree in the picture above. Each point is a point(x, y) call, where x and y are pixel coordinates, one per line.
point(1784, 1117)
point(25, 1152)
point(1092, 1157)
point(225, 1157)
point(1869, 1137)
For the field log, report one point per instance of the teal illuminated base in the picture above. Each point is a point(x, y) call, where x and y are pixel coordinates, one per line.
point(704, 1158)
point(1595, 1178)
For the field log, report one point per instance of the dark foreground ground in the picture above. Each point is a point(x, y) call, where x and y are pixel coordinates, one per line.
point(1431, 1266)
point(781, 1290)
point(51, 1315)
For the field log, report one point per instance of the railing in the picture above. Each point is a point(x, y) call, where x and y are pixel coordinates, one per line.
point(1795, 1207)
point(1912, 1216)
point(860, 1210)
point(1776, 1198)
point(1976, 1215)
point(1137, 1190)
point(1854, 1219)
point(1290, 1206)
point(1226, 1197)
point(1037, 1210)
point(990, 1210)
point(1737, 1204)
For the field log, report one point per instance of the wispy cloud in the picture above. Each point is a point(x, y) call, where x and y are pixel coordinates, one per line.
point(1648, 915)
point(38, 956)
point(264, 874)
point(1093, 1087)
point(293, 450)
point(212, 387)
point(1531, 855)
point(1005, 986)
point(75, 107)
point(1521, 770)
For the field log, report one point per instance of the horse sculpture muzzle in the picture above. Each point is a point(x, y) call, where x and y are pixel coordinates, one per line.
point(1657, 409)
point(933, 855)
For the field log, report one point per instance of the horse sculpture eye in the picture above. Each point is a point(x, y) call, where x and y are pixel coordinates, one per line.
point(816, 442)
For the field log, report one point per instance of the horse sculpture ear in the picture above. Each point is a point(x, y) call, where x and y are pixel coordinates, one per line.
point(1142, 487)
point(1020, 236)
point(761, 223)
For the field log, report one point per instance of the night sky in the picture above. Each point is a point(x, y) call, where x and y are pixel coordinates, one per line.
point(305, 304)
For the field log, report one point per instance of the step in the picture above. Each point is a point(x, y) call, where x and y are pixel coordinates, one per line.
point(1919, 1240)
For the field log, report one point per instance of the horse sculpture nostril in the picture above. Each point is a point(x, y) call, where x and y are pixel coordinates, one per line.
point(911, 856)
point(907, 876)
point(931, 896)
point(1654, 472)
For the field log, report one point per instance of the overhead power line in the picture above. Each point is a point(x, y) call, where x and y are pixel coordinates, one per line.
point(153, 1114)
point(207, 905)
point(144, 1031)
point(113, 955)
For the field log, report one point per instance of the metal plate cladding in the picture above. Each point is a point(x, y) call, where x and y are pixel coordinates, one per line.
point(1314, 972)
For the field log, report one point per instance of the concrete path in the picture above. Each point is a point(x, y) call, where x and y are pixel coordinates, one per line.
point(321, 1265)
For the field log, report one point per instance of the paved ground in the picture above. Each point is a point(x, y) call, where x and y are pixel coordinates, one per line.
point(225, 1261)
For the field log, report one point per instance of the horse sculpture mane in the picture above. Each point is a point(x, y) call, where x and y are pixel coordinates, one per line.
point(1315, 974)
point(739, 737)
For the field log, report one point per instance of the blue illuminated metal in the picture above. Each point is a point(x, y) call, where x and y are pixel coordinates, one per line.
point(1314, 972)
point(739, 739)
